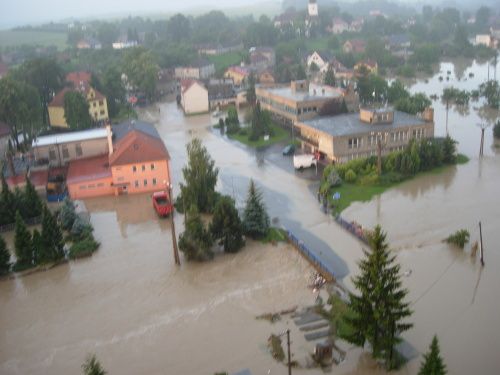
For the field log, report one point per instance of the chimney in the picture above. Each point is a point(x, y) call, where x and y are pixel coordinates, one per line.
point(110, 138)
point(428, 114)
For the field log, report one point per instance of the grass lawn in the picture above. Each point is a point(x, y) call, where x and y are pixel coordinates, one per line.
point(363, 193)
point(10, 38)
point(279, 136)
point(222, 62)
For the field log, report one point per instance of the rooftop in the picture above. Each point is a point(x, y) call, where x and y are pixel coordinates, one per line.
point(138, 147)
point(88, 169)
point(314, 93)
point(350, 124)
point(83, 135)
point(122, 129)
point(58, 100)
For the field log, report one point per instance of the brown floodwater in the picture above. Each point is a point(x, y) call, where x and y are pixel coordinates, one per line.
point(141, 314)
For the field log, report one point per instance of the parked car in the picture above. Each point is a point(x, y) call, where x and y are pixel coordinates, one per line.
point(288, 150)
point(161, 203)
point(304, 161)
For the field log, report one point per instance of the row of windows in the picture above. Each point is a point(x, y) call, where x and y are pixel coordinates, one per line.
point(101, 103)
point(397, 136)
point(65, 151)
point(91, 186)
point(145, 182)
point(143, 167)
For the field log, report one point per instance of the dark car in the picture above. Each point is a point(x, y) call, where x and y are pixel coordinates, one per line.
point(288, 150)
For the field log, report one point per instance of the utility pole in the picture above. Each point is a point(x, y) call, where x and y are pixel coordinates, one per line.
point(483, 127)
point(174, 237)
point(288, 344)
point(481, 242)
point(447, 108)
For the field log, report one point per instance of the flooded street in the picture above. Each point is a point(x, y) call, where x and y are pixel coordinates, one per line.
point(141, 314)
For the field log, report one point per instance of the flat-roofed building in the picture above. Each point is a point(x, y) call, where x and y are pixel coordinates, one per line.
point(350, 136)
point(298, 101)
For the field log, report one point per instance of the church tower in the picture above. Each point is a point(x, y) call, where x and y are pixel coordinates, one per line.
point(312, 8)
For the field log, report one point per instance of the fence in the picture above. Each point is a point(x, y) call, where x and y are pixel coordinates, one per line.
point(355, 229)
point(321, 266)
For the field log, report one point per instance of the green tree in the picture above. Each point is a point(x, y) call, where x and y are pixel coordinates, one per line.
point(91, 366)
point(74, 36)
point(52, 238)
point(4, 257)
point(178, 28)
point(226, 225)
point(20, 108)
point(39, 251)
point(379, 309)
point(67, 214)
point(496, 130)
point(491, 91)
point(46, 75)
point(22, 244)
point(142, 70)
point(433, 364)
point(76, 111)
point(255, 217)
point(32, 199)
point(114, 90)
point(449, 150)
point(330, 76)
point(251, 97)
point(195, 242)
point(397, 91)
point(200, 178)
point(7, 204)
point(107, 33)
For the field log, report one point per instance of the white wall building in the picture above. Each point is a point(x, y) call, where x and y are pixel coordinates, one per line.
point(194, 97)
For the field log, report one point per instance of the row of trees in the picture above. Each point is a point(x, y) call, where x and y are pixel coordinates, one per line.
point(26, 202)
point(198, 193)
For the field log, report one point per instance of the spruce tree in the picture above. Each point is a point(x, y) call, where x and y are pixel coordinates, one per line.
point(52, 238)
point(22, 244)
point(41, 253)
point(255, 217)
point(195, 242)
point(226, 225)
point(32, 200)
point(379, 308)
point(92, 366)
point(4, 257)
point(433, 363)
point(7, 204)
point(330, 76)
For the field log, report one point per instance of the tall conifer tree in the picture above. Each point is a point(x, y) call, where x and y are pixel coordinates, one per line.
point(433, 363)
point(22, 244)
point(255, 217)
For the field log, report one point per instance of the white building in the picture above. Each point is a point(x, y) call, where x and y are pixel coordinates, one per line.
point(484, 39)
point(203, 69)
point(339, 25)
point(194, 97)
point(312, 8)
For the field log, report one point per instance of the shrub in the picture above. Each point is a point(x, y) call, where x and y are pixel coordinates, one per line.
point(243, 131)
point(369, 179)
point(350, 176)
point(459, 238)
point(83, 248)
point(80, 229)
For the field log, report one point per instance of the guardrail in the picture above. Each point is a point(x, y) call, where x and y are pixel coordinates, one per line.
point(355, 229)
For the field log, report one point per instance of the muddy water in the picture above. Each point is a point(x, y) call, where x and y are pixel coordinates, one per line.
point(452, 295)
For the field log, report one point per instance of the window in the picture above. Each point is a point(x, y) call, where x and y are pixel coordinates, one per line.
point(145, 182)
point(354, 142)
point(102, 112)
point(52, 154)
point(78, 149)
point(101, 102)
point(120, 178)
point(143, 167)
point(134, 169)
point(136, 184)
point(100, 184)
point(152, 167)
point(91, 186)
point(65, 152)
point(95, 114)
point(154, 181)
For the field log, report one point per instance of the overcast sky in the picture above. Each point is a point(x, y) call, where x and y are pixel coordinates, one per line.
point(21, 12)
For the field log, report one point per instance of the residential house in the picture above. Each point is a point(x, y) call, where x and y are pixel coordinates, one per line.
point(357, 25)
point(98, 106)
point(266, 52)
point(354, 46)
point(194, 97)
point(239, 74)
point(58, 150)
point(370, 65)
point(485, 40)
point(340, 71)
point(266, 77)
point(296, 102)
point(201, 69)
point(137, 162)
point(344, 137)
point(78, 79)
point(397, 42)
point(89, 43)
point(221, 93)
point(319, 58)
point(339, 25)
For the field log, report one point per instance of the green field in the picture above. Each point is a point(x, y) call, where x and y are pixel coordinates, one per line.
point(222, 62)
point(279, 136)
point(10, 38)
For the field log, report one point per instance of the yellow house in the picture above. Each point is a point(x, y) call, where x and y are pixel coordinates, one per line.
point(370, 65)
point(98, 106)
point(238, 74)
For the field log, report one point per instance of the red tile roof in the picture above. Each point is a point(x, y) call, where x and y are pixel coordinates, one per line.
point(138, 147)
point(37, 178)
point(88, 169)
point(77, 77)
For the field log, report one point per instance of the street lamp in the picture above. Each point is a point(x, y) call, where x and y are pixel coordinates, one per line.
point(287, 333)
point(174, 237)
